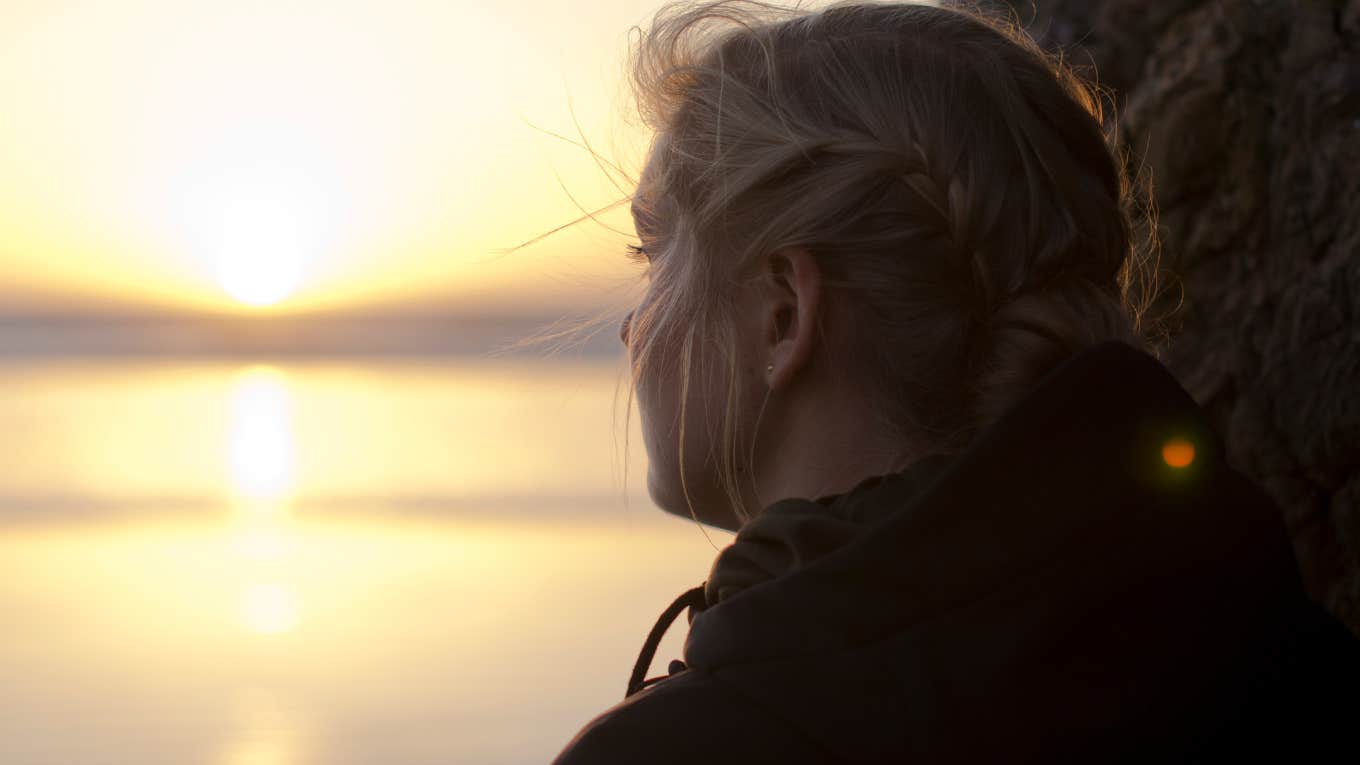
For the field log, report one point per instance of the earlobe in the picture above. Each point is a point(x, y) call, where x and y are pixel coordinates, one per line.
point(794, 315)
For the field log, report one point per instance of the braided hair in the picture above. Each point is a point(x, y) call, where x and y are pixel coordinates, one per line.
point(956, 184)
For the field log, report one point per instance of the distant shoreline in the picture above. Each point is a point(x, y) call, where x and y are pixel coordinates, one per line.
point(290, 336)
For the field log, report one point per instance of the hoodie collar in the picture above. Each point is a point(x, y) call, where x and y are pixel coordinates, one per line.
point(1074, 461)
point(791, 533)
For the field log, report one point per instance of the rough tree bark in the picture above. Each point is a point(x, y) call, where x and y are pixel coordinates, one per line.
point(1247, 115)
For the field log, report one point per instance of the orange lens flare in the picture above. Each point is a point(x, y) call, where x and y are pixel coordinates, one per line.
point(1178, 452)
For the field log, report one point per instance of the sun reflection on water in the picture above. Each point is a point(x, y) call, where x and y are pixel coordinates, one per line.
point(262, 459)
point(269, 609)
point(270, 733)
point(261, 450)
point(246, 620)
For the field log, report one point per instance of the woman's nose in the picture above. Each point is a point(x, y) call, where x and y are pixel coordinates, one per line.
point(623, 327)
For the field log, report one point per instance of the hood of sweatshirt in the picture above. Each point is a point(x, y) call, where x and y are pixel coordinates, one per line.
point(1090, 558)
point(792, 533)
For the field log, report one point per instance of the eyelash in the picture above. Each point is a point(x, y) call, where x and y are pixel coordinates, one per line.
point(638, 254)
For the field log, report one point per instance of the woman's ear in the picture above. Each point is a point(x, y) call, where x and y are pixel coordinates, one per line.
point(790, 314)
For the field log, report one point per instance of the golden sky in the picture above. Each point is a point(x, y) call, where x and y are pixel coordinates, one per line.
point(310, 154)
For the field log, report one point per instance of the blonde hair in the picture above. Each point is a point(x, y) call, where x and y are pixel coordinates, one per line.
point(954, 182)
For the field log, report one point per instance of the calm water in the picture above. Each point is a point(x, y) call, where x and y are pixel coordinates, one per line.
point(312, 562)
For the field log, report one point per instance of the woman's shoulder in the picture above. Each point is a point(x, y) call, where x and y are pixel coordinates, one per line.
point(690, 717)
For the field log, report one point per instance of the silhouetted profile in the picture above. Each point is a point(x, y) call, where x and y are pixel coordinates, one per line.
point(896, 336)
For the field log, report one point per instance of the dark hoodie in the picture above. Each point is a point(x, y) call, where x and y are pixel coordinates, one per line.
point(1057, 591)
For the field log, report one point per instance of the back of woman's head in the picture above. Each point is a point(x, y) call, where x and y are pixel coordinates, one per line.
point(953, 181)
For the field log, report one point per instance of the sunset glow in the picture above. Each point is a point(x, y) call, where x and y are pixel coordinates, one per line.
point(231, 156)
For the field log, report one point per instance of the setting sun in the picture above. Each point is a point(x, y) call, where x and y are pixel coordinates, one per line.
point(374, 153)
point(261, 222)
point(260, 275)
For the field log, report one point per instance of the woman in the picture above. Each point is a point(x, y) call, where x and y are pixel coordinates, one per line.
point(894, 336)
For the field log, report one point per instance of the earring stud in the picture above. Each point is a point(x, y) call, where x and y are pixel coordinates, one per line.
point(769, 368)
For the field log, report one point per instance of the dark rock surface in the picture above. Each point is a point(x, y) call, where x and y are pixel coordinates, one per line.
point(1247, 115)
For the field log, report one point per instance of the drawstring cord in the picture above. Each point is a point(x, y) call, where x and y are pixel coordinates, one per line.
point(694, 599)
